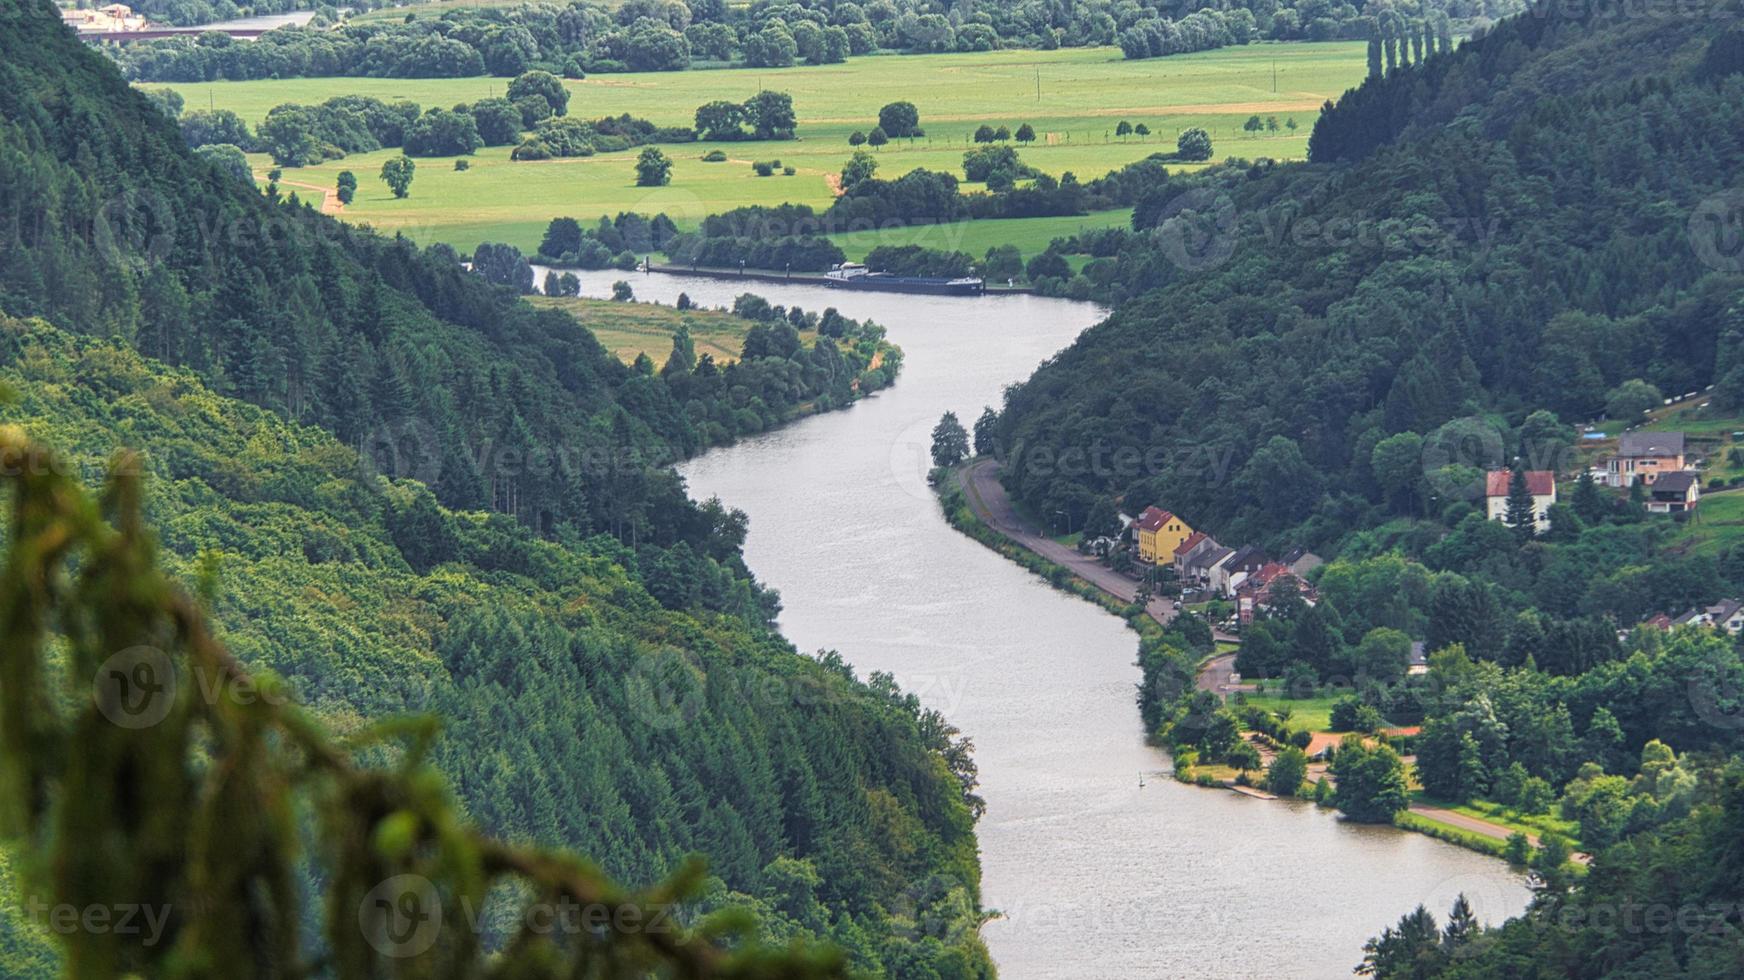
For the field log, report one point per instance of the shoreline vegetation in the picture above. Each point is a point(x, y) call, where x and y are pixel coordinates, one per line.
point(406, 495)
point(1421, 819)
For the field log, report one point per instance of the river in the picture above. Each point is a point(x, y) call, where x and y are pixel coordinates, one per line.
point(1096, 875)
point(264, 22)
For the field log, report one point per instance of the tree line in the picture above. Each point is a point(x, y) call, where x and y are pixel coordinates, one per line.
point(406, 490)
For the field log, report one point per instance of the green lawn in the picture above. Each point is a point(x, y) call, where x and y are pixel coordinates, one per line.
point(1718, 525)
point(1030, 235)
point(1312, 714)
point(1084, 93)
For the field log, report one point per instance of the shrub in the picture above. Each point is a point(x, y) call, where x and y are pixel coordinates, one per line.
point(1518, 850)
point(715, 156)
point(1287, 772)
point(1352, 715)
point(763, 168)
point(1194, 144)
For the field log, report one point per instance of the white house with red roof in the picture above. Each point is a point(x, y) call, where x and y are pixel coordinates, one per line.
point(1540, 483)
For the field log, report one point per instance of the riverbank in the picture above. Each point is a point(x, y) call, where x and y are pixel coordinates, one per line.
point(1160, 878)
point(976, 503)
point(799, 278)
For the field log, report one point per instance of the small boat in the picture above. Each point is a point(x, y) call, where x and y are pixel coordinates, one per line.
point(854, 275)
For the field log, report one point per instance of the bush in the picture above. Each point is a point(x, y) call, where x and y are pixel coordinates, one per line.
point(1194, 144)
point(715, 156)
point(763, 168)
point(1287, 772)
point(788, 171)
point(462, 165)
point(1352, 715)
point(1518, 850)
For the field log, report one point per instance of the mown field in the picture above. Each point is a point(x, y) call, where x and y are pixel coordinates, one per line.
point(629, 329)
point(1030, 235)
point(1083, 95)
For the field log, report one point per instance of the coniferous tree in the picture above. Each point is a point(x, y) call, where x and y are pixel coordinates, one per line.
point(986, 434)
point(950, 441)
point(1411, 949)
point(1520, 514)
point(1589, 501)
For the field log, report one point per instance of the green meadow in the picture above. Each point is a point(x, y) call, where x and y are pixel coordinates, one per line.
point(1073, 98)
point(631, 329)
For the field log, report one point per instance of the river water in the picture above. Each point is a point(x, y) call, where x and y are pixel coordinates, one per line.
point(266, 22)
point(1096, 875)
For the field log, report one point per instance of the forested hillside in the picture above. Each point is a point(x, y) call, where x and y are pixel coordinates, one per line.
point(1488, 248)
point(1536, 237)
point(406, 491)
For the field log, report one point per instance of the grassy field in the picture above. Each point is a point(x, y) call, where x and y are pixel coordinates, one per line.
point(1718, 525)
point(1084, 93)
point(1310, 714)
point(629, 329)
point(1030, 235)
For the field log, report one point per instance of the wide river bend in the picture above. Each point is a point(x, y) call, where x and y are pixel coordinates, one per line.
point(1096, 875)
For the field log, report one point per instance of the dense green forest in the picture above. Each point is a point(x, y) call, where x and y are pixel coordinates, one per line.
point(1488, 247)
point(1486, 264)
point(580, 38)
point(404, 490)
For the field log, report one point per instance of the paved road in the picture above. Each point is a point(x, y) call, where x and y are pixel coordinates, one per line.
point(988, 499)
point(1484, 827)
point(1217, 675)
point(1472, 824)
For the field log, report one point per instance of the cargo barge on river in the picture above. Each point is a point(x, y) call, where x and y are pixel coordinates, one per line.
point(853, 275)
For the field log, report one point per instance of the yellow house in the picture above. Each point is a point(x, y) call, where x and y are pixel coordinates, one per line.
point(1159, 534)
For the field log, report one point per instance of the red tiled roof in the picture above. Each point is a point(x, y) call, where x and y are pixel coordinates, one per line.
point(1154, 518)
point(1540, 483)
point(1191, 542)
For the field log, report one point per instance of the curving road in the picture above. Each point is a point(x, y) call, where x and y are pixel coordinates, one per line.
point(988, 499)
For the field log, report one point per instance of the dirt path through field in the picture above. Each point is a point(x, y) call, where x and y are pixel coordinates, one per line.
point(329, 197)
